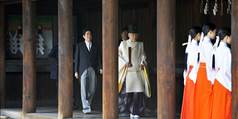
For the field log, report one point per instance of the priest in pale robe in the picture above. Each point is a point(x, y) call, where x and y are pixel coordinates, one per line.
point(132, 73)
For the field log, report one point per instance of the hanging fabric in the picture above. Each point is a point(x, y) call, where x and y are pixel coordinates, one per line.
point(222, 8)
point(201, 7)
point(229, 7)
point(215, 8)
point(206, 7)
point(218, 8)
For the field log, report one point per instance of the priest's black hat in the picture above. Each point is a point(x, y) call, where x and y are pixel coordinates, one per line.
point(132, 29)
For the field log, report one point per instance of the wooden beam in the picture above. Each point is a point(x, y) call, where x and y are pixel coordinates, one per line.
point(166, 59)
point(29, 69)
point(110, 58)
point(234, 32)
point(8, 2)
point(2, 57)
point(65, 54)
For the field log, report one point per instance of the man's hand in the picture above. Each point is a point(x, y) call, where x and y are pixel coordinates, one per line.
point(142, 66)
point(76, 75)
point(100, 71)
point(128, 65)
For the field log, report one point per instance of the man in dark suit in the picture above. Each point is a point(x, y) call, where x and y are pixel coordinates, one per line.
point(86, 66)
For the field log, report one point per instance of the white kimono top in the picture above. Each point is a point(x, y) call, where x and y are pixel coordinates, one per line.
point(223, 64)
point(206, 50)
point(192, 58)
point(134, 79)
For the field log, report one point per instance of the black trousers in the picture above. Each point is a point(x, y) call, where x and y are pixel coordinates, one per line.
point(136, 102)
point(122, 101)
point(133, 103)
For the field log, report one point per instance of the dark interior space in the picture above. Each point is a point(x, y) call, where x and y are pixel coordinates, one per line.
point(88, 13)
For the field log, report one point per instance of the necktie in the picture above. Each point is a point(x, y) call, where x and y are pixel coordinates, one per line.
point(89, 46)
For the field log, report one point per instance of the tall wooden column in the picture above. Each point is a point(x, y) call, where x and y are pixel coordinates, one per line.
point(166, 59)
point(29, 69)
point(2, 57)
point(234, 32)
point(65, 54)
point(110, 58)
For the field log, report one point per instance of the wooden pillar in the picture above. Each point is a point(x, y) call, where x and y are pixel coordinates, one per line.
point(29, 69)
point(166, 59)
point(110, 58)
point(234, 32)
point(65, 105)
point(2, 57)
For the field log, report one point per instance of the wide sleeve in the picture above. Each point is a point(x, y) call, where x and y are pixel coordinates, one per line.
point(224, 72)
point(227, 65)
point(143, 55)
point(120, 54)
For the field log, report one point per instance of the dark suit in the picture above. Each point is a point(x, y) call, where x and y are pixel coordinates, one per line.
point(87, 64)
point(85, 59)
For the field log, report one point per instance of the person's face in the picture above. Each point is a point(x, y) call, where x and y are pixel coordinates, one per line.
point(133, 36)
point(212, 34)
point(124, 35)
point(197, 37)
point(88, 36)
point(228, 39)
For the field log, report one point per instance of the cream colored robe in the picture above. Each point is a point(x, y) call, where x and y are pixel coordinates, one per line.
point(134, 76)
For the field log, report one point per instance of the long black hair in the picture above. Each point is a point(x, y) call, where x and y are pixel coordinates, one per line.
point(194, 31)
point(222, 33)
point(205, 29)
point(208, 27)
point(86, 30)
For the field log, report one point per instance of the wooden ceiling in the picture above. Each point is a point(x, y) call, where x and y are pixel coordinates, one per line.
point(121, 1)
point(12, 1)
point(50, 6)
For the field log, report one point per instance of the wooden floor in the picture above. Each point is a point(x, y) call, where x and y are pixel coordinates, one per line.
point(51, 113)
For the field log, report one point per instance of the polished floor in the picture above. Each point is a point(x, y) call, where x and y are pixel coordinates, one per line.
point(51, 113)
